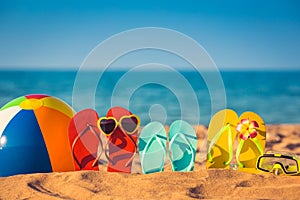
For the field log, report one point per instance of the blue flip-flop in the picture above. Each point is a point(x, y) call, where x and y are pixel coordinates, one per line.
point(182, 146)
point(152, 148)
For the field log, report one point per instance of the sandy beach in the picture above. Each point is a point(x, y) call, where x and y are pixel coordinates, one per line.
point(202, 183)
point(81, 83)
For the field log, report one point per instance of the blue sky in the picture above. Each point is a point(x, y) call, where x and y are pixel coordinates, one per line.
point(236, 34)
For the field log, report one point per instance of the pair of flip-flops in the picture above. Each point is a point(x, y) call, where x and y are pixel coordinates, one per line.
point(223, 129)
point(153, 151)
point(120, 128)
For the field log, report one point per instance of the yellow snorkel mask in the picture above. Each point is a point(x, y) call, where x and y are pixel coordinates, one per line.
point(278, 164)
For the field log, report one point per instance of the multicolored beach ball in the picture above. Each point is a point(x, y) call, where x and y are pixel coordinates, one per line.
point(34, 135)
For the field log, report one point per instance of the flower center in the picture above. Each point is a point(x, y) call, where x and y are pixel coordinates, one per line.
point(247, 129)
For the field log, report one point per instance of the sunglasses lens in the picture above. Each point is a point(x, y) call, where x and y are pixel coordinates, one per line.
point(288, 165)
point(129, 124)
point(107, 125)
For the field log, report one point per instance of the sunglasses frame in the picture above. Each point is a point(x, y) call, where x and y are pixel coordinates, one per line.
point(119, 124)
point(282, 167)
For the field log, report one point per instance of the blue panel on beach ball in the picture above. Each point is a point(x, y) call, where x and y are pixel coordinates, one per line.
point(25, 150)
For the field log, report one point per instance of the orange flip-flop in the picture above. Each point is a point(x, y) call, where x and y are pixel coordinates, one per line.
point(84, 138)
point(121, 128)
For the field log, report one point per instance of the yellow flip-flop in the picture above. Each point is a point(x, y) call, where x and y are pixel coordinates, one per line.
point(251, 132)
point(221, 135)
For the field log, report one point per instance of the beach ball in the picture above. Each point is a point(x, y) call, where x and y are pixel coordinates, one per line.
point(34, 135)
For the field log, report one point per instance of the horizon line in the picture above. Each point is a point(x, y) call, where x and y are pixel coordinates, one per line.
point(180, 68)
point(124, 68)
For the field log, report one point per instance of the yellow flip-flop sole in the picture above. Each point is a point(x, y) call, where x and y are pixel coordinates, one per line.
point(220, 150)
point(249, 152)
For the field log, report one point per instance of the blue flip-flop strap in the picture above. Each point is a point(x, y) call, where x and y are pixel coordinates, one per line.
point(183, 136)
point(159, 139)
point(186, 136)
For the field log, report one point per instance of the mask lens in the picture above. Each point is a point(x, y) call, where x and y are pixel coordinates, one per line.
point(289, 165)
point(130, 124)
point(107, 126)
point(266, 163)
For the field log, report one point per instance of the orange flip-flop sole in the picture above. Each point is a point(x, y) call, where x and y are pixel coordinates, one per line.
point(122, 146)
point(86, 147)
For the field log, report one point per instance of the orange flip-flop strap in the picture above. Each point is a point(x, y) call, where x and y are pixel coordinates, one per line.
point(74, 143)
point(91, 128)
point(135, 150)
point(106, 155)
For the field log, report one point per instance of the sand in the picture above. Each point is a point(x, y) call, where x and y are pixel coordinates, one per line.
point(202, 183)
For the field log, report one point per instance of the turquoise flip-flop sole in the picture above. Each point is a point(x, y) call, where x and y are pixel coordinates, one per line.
point(152, 148)
point(182, 146)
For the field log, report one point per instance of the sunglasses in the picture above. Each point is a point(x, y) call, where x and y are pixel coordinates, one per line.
point(129, 124)
point(274, 162)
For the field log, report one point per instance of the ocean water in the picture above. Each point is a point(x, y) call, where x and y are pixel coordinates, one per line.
point(165, 96)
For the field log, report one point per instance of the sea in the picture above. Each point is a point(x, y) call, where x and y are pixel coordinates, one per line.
point(165, 96)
